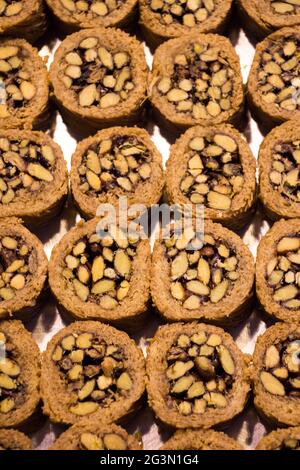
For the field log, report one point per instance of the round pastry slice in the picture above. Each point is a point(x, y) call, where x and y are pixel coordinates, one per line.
point(23, 18)
point(163, 20)
point(196, 79)
point(206, 277)
point(91, 370)
point(33, 176)
point(213, 166)
point(190, 439)
point(263, 17)
point(95, 277)
point(72, 16)
point(197, 377)
point(23, 268)
point(281, 439)
point(19, 374)
point(10, 439)
point(117, 162)
point(279, 159)
point(96, 435)
point(276, 374)
point(273, 83)
point(99, 78)
point(24, 78)
point(277, 271)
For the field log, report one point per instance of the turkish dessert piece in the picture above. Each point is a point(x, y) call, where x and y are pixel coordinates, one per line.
point(75, 15)
point(197, 377)
point(116, 162)
point(10, 439)
point(281, 439)
point(213, 166)
point(19, 375)
point(279, 159)
point(191, 439)
point(99, 78)
point(273, 83)
point(23, 268)
point(95, 435)
point(101, 276)
point(202, 276)
point(263, 17)
point(162, 20)
point(33, 176)
point(23, 18)
point(277, 271)
point(196, 79)
point(24, 78)
point(91, 371)
point(276, 374)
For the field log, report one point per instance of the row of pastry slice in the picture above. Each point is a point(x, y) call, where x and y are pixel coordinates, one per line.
point(195, 375)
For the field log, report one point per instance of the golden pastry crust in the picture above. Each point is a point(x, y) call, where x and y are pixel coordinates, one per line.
point(119, 14)
point(117, 354)
point(116, 287)
point(277, 271)
point(177, 58)
point(181, 405)
point(190, 439)
point(81, 102)
point(210, 18)
point(10, 439)
point(190, 181)
point(272, 82)
point(37, 189)
point(95, 435)
point(20, 370)
point(21, 61)
point(24, 270)
point(278, 189)
point(197, 292)
point(281, 439)
point(139, 173)
point(25, 19)
point(274, 374)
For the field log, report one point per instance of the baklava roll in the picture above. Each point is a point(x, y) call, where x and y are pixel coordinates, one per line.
point(10, 439)
point(281, 439)
point(196, 439)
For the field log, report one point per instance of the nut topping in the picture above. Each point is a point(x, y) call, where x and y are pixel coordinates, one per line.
point(87, 11)
point(201, 83)
point(214, 174)
point(189, 13)
point(118, 164)
point(200, 373)
point(286, 7)
point(98, 76)
point(99, 269)
point(284, 175)
point(94, 370)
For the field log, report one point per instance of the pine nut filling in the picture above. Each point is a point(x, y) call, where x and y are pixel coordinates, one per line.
point(17, 89)
point(284, 175)
point(96, 76)
point(12, 387)
point(186, 12)
point(279, 73)
point(283, 274)
point(200, 276)
point(286, 7)
point(107, 441)
point(201, 373)
point(118, 164)
point(99, 269)
point(201, 82)
point(214, 174)
point(83, 10)
point(17, 266)
point(281, 370)
point(92, 370)
point(25, 167)
point(10, 8)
